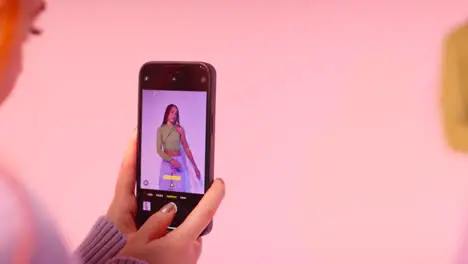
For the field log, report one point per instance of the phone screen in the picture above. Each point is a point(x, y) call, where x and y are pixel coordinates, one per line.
point(174, 139)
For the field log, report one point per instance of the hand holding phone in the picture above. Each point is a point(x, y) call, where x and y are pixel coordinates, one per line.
point(182, 246)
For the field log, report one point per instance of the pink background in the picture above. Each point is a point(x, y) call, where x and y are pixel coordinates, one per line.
point(192, 116)
point(328, 130)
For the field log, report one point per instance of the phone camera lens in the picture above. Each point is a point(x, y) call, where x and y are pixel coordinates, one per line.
point(175, 75)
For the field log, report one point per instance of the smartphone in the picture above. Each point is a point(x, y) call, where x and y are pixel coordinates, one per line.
point(176, 121)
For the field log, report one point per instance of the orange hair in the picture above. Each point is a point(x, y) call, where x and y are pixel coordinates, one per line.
point(9, 19)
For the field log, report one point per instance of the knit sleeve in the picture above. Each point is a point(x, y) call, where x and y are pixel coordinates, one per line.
point(123, 260)
point(103, 242)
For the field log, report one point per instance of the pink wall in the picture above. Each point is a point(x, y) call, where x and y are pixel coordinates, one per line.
point(328, 133)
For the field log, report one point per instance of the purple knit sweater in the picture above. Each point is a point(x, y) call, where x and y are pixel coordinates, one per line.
point(102, 244)
point(27, 234)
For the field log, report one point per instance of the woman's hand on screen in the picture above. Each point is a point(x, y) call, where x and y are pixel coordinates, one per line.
point(153, 244)
point(175, 163)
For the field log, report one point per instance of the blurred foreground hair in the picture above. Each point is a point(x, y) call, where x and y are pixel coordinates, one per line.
point(9, 19)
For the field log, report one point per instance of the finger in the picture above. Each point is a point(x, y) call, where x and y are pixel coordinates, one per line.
point(203, 213)
point(156, 226)
point(127, 175)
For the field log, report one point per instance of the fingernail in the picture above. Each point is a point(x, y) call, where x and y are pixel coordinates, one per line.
point(169, 208)
point(221, 180)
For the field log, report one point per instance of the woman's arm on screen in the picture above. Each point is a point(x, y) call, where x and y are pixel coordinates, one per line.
point(159, 146)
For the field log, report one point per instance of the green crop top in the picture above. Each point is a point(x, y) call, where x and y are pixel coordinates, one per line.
point(167, 139)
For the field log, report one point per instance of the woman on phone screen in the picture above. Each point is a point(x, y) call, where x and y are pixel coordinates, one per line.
point(172, 147)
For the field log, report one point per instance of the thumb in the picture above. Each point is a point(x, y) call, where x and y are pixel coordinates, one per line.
point(155, 227)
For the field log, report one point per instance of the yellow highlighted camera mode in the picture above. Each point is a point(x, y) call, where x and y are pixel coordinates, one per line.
point(172, 177)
